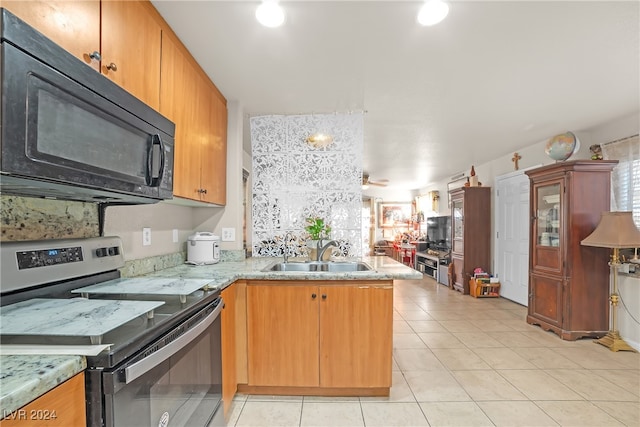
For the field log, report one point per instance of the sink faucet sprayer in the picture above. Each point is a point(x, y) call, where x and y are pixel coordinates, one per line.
point(322, 250)
point(287, 237)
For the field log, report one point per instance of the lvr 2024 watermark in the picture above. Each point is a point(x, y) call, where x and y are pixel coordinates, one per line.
point(30, 414)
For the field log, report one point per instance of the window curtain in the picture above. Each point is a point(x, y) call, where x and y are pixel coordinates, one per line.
point(625, 178)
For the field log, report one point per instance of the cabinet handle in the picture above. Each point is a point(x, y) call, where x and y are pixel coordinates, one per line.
point(112, 67)
point(204, 191)
point(95, 55)
point(313, 296)
point(324, 296)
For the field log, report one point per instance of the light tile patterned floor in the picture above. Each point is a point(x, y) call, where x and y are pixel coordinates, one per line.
point(461, 361)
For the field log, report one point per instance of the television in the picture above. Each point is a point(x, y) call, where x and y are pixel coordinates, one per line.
point(439, 232)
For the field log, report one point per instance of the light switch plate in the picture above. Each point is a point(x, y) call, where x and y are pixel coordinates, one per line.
point(228, 234)
point(175, 235)
point(146, 236)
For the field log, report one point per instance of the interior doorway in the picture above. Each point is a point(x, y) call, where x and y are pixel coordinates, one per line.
point(368, 227)
point(512, 236)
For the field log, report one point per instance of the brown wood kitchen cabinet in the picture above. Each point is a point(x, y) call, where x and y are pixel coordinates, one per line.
point(228, 325)
point(194, 104)
point(471, 233)
point(74, 25)
point(134, 47)
point(325, 338)
point(63, 406)
point(120, 38)
point(568, 282)
point(282, 325)
point(130, 47)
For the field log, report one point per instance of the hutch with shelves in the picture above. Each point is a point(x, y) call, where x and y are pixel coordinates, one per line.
point(568, 282)
point(471, 234)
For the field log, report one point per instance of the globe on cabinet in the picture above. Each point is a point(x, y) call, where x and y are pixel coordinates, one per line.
point(562, 146)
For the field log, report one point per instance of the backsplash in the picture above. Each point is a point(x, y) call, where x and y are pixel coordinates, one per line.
point(28, 218)
point(138, 267)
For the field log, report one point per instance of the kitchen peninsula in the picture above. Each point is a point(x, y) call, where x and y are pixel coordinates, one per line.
point(310, 333)
point(362, 315)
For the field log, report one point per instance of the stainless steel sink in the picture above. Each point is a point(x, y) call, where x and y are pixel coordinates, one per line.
point(320, 266)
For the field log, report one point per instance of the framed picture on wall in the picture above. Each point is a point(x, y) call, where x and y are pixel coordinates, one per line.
point(393, 214)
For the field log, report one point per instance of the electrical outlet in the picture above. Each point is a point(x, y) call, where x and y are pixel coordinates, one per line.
point(146, 236)
point(228, 234)
point(175, 235)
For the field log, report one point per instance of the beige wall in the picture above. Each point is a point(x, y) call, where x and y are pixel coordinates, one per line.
point(534, 155)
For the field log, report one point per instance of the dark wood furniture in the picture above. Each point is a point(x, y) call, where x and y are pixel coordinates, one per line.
point(568, 282)
point(471, 234)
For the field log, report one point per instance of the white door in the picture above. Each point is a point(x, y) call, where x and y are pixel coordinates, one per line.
point(512, 236)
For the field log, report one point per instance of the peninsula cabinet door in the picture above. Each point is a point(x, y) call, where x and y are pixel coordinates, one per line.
point(356, 336)
point(282, 335)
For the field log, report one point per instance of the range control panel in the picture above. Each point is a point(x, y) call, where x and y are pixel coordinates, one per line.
point(44, 257)
point(29, 263)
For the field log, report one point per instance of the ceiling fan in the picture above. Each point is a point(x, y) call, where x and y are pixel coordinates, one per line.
point(366, 182)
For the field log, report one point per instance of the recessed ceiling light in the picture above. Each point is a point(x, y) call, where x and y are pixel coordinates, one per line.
point(270, 14)
point(432, 12)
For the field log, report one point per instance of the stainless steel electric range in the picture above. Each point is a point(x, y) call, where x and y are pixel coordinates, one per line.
point(162, 361)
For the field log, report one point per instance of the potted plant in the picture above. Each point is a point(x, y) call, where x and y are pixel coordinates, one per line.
point(318, 231)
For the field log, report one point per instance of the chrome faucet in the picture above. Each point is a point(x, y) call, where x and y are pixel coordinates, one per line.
point(285, 252)
point(322, 250)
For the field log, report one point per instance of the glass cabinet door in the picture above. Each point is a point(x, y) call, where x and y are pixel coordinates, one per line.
point(548, 215)
point(457, 208)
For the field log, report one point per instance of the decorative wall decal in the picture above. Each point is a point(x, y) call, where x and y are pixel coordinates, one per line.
point(293, 180)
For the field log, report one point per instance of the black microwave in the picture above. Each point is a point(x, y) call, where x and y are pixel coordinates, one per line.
point(67, 132)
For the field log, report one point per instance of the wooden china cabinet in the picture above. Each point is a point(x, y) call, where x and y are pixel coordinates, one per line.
point(568, 282)
point(471, 234)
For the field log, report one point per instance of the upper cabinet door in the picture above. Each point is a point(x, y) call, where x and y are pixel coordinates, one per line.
point(214, 151)
point(74, 25)
point(457, 212)
point(548, 215)
point(547, 230)
point(178, 102)
point(131, 45)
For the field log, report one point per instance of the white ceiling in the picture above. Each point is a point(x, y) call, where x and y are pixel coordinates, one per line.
point(492, 78)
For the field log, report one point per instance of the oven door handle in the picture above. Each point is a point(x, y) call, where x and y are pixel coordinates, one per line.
point(143, 366)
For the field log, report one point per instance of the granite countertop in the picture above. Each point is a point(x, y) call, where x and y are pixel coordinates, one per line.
point(225, 273)
point(24, 378)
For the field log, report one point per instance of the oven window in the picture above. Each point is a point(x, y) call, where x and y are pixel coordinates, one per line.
point(184, 390)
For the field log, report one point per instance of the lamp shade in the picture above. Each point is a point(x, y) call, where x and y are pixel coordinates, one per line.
point(615, 230)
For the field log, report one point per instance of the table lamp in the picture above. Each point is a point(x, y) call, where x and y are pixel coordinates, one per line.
point(616, 231)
